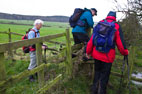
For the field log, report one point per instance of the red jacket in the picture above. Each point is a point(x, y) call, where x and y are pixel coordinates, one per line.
point(110, 56)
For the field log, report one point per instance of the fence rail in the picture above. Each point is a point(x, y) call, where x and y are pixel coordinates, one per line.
point(66, 61)
point(14, 45)
point(5, 83)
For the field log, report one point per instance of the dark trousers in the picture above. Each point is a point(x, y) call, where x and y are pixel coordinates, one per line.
point(102, 72)
point(80, 37)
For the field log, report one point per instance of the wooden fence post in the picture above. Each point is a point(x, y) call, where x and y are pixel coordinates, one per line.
point(131, 58)
point(10, 40)
point(2, 72)
point(69, 64)
point(9, 31)
point(131, 61)
point(39, 62)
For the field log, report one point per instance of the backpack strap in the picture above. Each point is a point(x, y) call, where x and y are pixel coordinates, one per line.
point(105, 20)
point(111, 22)
point(35, 32)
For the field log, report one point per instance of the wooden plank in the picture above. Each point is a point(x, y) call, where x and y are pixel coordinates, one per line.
point(14, 33)
point(116, 74)
point(69, 64)
point(4, 32)
point(14, 45)
point(56, 42)
point(52, 49)
point(2, 72)
point(17, 78)
point(132, 78)
point(17, 34)
point(49, 85)
point(112, 73)
point(77, 47)
point(136, 79)
point(39, 62)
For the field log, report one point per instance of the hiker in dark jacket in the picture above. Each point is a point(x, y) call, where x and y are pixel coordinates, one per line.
point(79, 32)
point(103, 61)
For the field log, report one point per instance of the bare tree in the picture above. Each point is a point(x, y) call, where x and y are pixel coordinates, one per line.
point(131, 23)
point(131, 7)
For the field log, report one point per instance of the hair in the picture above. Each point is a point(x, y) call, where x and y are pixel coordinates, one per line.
point(38, 21)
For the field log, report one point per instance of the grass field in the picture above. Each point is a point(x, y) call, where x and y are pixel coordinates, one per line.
point(54, 28)
point(25, 87)
point(79, 85)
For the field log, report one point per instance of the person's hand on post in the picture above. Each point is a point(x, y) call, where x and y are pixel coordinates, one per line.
point(88, 56)
point(44, 47)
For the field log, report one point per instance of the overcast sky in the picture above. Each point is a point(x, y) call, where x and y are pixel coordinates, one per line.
point(56, 7)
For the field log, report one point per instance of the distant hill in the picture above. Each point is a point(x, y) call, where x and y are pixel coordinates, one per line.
point(28, 17)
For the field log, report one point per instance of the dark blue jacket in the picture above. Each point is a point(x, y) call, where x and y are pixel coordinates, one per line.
point(87, 15)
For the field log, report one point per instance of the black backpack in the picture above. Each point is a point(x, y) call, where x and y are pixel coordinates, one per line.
point(74, 19)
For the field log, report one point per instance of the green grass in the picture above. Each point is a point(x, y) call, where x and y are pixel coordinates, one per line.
point(23, 87)
point(44, 31)
point(21, 29)
point(79, 85)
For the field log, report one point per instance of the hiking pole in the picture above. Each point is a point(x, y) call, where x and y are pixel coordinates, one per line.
point(122, 72)
point(126, 58)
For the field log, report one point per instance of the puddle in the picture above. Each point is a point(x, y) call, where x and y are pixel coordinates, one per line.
point(137, 75)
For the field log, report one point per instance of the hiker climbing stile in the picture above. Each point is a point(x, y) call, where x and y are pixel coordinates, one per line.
point(84, 21)
point(106, 35)
point(81, 21)
point(34, 33)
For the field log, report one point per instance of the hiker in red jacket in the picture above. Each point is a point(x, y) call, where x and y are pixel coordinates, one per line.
point(105, 55)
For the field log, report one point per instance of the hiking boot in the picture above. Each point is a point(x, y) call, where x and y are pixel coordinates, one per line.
point(36, 75)
point(94, 89)
point(73, 55)
point(31, 78)
point(84, 58)
point(93, 92)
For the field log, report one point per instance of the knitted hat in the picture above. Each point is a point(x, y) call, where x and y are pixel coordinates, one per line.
point(112, 13)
